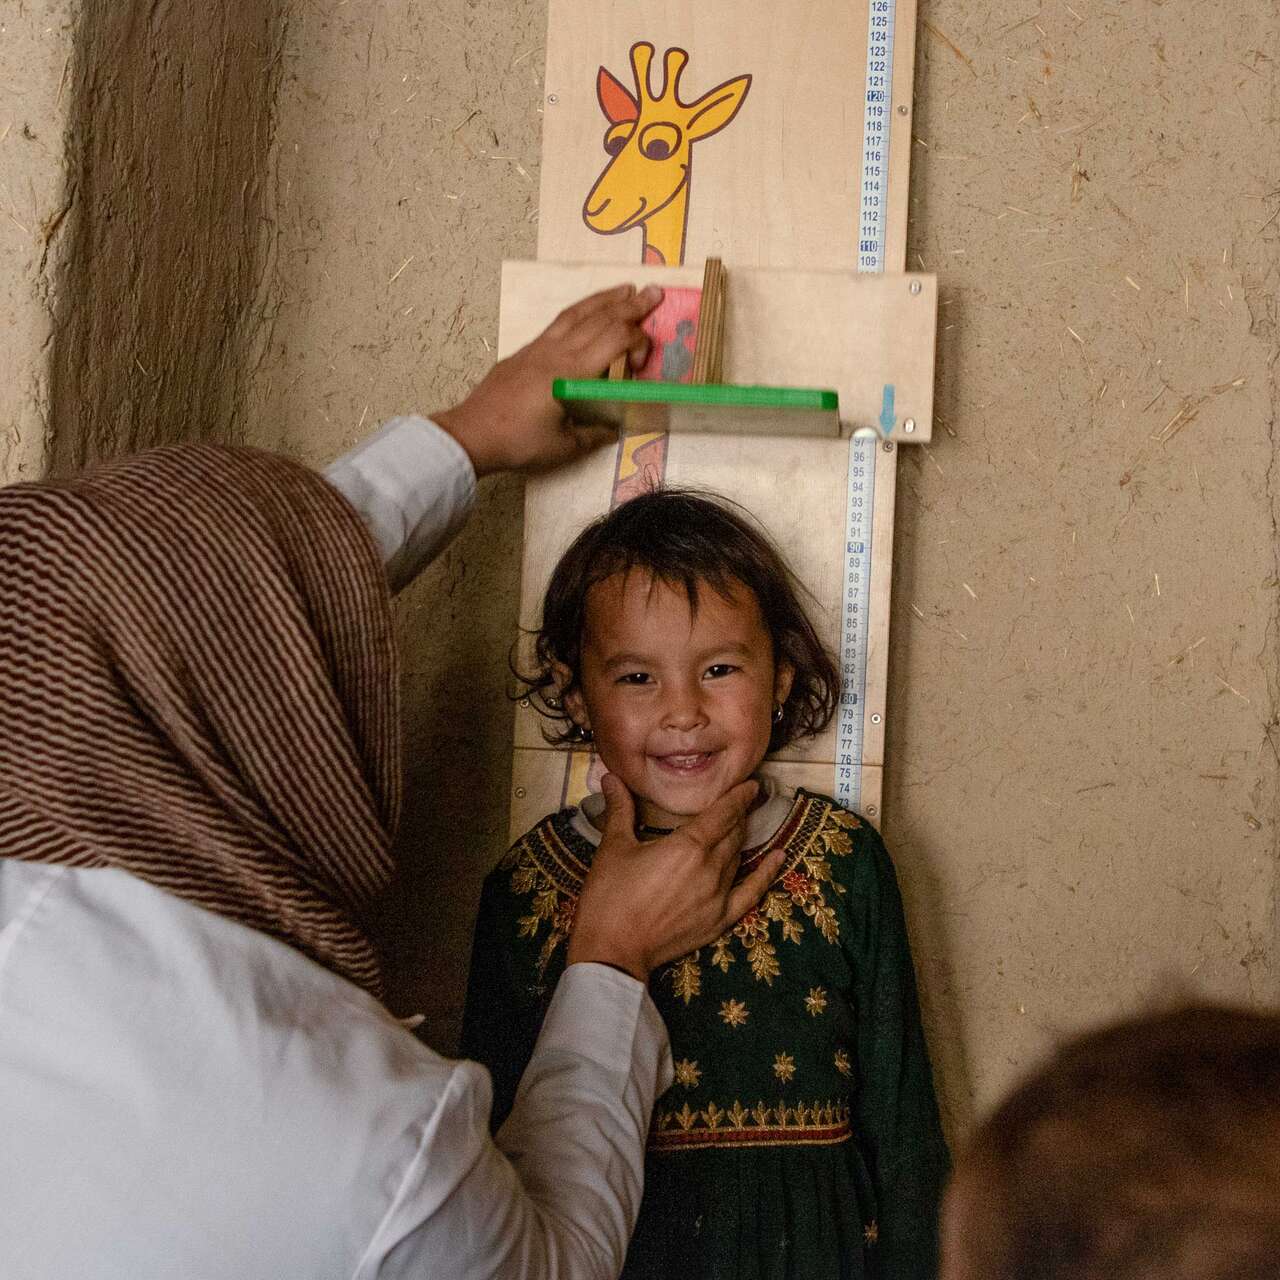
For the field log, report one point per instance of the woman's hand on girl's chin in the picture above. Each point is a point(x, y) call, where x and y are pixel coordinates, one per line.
point(645, 904)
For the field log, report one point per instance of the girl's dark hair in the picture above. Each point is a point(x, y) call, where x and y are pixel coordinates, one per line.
point(687, 539)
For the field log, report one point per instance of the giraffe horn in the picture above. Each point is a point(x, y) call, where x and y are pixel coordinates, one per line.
point(641, 57)
point(676, 61)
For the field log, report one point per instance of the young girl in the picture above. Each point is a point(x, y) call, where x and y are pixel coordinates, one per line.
point(800, 1140)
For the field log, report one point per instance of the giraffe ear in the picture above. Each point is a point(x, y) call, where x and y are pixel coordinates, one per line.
point(615, 99)
point(716, 108)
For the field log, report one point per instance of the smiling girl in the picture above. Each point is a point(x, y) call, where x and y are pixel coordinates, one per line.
point(801, 1139)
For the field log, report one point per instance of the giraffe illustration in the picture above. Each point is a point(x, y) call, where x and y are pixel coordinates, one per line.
point(650, 145)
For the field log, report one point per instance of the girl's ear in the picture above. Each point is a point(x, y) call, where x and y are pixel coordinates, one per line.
point(572, 701)
point(782, 682)
point(575, 704)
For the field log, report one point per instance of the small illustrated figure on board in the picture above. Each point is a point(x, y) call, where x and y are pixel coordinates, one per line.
point(677, 355)
point(800, 1139)
point(650, 145)
point(672, 327)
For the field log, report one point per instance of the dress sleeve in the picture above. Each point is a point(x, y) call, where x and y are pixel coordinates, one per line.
point(897, 1113)
point(412, 484)
point(555, 1196)
point(507, 998)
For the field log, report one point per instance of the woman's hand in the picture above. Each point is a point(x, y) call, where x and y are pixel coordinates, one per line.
point(645, 904)
point(511, 421)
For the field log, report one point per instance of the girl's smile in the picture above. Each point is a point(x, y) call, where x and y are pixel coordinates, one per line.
point(680, 700)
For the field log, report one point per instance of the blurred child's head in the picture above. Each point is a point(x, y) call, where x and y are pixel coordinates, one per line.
point(1149, 1150)
point(673, 636)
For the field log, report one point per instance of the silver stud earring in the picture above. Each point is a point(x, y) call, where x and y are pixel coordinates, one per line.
point(777, 714)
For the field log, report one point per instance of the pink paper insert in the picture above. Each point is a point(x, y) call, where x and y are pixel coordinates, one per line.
point(673, 329)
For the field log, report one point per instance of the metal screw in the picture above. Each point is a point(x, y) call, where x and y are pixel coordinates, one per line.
point(902, 110)
point(887, 446)
point(553, 98)
point(875, 719)
point(524, 702)
point(519, 793)
point(909, 425)
point(871, 811)
point(915, 286)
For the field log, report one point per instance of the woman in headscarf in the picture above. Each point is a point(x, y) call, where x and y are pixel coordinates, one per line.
point(199, 783)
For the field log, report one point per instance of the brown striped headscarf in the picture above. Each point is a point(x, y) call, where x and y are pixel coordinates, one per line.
point(198, 685)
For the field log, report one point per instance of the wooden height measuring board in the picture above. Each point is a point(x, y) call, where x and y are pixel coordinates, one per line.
point(773, 137)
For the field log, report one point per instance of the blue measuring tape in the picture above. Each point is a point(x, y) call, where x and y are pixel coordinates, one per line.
point(861, 487)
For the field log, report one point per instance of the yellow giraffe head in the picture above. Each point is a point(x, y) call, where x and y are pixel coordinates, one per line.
point(650, 144)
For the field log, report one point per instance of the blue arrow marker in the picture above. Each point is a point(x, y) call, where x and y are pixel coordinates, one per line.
point(886, 410)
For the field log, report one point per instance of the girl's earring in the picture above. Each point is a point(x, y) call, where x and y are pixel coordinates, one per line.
point(777, 714)
point(583, 735)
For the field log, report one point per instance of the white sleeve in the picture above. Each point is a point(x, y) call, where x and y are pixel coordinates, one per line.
point(556, 1197)
point(413, 485)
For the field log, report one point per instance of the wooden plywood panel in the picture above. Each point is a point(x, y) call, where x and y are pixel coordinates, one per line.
point(758, 160)
point(866, 336)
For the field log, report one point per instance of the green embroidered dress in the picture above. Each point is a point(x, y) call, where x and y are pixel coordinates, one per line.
point(800, 1140)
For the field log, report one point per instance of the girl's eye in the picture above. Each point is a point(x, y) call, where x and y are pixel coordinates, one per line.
point(720, 670)
point(634, 677)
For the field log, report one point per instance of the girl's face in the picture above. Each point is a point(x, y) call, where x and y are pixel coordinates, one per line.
point(680, 702)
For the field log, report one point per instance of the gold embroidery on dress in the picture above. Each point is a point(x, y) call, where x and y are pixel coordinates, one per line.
point(784, 1067)
point(734, 1013)
point(843, 1065)
point(871, 1232)
point(819, 832)
point(687, 1073)
point(685, 977)
point(544, 869)
point(816, 1001)
point(735, 1125)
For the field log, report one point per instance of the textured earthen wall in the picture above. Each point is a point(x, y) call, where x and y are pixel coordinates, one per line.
point(35, 41)
point(167, 153)
point(1081, 792)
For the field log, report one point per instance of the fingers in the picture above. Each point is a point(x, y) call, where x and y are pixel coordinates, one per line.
point(619, 807)
point(722, 819)
point(572, 316)
point(610, 312)
point(623, 301)
point(744, 895)
point(608, 341)
point(640, 351)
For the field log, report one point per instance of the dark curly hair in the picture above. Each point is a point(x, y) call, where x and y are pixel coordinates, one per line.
point(688, 539)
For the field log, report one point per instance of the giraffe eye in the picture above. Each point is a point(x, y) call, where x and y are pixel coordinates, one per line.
point(617, 137)
point(659, 141)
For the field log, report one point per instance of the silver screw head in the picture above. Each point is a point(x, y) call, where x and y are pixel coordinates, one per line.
point(553, 98)
point(902, 110)
point(524, 702)
point(875, 719)
point(915, 286)
point(519, 793)
point(909, 425)
point(871, 811)
point(887, 446)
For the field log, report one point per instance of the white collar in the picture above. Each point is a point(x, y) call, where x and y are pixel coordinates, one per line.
point(762, 823)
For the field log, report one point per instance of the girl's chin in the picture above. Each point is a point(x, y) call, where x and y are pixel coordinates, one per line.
point(671, 802)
